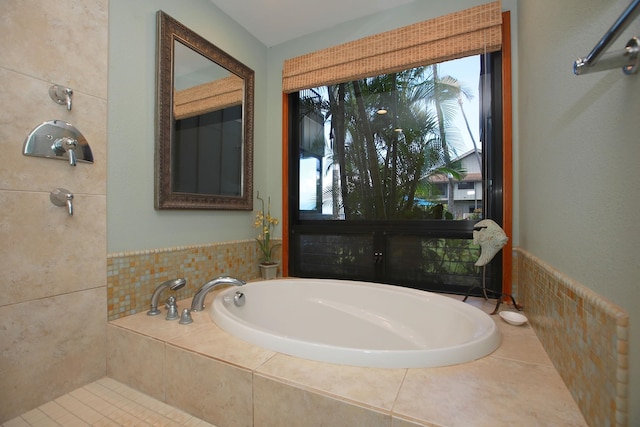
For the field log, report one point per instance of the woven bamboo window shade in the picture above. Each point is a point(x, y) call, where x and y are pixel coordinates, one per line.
point(207, 97)
point(464, 33)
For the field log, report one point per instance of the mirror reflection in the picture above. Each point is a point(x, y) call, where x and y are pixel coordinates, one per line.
point(205, 115)
point(207, 109)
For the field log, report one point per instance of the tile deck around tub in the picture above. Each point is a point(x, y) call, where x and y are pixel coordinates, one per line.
point(515, 385)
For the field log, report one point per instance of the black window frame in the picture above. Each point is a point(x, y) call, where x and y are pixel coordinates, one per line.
point(492, 149)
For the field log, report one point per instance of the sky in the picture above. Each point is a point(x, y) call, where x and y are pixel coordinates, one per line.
point(467, 71)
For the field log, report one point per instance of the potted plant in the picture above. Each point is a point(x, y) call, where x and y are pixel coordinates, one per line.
point(266, 223)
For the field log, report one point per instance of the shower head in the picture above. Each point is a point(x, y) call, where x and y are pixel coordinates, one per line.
point(176, 284)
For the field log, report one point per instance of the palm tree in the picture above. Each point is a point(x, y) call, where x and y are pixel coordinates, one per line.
point(382, 160)
point(446, 91)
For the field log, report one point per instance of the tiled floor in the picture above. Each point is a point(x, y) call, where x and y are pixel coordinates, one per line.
point(105, 403)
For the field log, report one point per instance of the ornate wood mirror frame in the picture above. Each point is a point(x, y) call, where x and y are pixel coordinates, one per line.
point(218, 170)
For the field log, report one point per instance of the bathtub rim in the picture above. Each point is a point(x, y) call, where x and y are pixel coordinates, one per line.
point(476, 348)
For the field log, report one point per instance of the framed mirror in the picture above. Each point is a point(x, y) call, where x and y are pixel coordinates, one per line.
point(204, 123)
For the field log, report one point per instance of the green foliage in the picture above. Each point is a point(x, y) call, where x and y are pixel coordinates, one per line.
point(386, 159)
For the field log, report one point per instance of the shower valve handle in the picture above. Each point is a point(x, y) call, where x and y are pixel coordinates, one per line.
point(62, 197)
point(66, 144)
point(61, 95)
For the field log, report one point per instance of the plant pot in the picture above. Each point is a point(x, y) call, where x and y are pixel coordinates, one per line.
point(268, 271)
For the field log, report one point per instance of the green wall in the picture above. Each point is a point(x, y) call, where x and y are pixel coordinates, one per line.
point(132, 222)
point(578, 158)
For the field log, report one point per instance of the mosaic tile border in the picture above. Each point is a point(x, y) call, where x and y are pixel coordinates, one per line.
point(133, 276)
point(585, 335)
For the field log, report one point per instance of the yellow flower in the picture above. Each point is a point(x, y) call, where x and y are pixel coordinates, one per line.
point(265, 222)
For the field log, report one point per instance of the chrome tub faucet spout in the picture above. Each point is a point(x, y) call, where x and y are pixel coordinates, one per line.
point(197, 304)
point(173, 284)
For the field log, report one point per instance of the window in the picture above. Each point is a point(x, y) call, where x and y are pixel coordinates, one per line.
point(212, 136)
point(387, 173)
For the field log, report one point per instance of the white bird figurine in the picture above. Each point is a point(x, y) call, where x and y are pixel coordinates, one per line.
point(491, 238)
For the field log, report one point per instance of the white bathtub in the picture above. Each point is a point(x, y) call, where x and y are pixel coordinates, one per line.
point(356, 323)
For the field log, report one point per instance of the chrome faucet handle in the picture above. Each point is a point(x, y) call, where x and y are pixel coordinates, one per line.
point(172, 310)
point(62, 197)
point(61, 95)
point(68, 145)
point(185, 318)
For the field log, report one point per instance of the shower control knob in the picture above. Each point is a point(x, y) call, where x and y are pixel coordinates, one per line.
point(62, 197)
point(66, 145)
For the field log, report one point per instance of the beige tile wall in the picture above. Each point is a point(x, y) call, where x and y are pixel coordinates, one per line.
point(585, 335)
point(133, 276)
point(53, 305)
